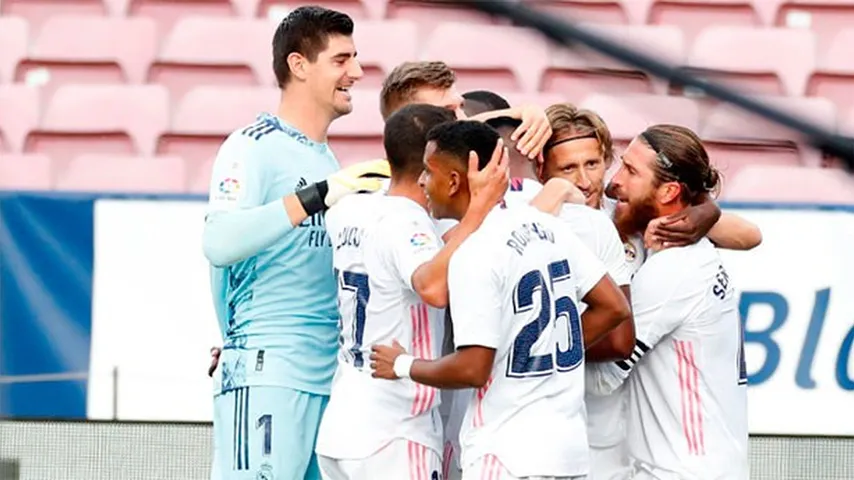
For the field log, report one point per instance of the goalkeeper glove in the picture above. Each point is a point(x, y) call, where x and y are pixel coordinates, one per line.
point(361, 177)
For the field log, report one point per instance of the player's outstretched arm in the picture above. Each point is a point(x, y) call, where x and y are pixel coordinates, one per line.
point(236, 229)
point(487, 186)
point(468, 367)
point(607, 308)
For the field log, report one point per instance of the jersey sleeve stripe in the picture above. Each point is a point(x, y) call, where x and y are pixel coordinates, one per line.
point(642, 346)
point(685, 399)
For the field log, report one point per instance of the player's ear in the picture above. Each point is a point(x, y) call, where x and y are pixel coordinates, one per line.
point(454, 183)
point(669, 192)
point(298, 65)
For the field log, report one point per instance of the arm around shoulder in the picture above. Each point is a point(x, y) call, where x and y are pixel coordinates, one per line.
point(735, 233)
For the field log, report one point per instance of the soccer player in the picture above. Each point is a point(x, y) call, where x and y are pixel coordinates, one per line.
point(392, 274)
point(433, 83)
point(271, 261)
point(687, 385)
point(581, 151)
point(514, 286)
point(593, 227)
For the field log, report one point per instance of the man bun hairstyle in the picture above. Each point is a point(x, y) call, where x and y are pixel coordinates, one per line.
point(681, 157)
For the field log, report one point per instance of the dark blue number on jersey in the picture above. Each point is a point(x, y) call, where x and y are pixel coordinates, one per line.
point(520, 361)
point(358, 283)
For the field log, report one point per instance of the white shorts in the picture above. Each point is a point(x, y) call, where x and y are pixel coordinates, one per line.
point(490, 468)
point(609, 463)
point(399, 460)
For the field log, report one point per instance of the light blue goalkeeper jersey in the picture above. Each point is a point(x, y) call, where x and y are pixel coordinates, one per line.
point(272, 284)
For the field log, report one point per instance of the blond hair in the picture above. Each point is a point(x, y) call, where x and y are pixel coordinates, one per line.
point(400, 86)
point(568, 121)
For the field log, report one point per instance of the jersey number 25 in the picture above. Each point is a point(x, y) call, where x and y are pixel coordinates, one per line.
point(521, 362)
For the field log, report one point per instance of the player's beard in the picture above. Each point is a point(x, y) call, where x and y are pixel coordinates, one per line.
point(633, 217)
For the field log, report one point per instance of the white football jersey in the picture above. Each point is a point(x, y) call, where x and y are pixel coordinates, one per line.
point(606, 414)
point(378, 242)
point(597, 231)
point(687, 407)
point(515, 285)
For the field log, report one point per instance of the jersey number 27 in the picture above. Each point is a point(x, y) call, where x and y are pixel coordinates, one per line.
point(555, 306)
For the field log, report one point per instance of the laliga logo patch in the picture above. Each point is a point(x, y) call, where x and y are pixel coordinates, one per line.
point(229, 186)
point(419, 240)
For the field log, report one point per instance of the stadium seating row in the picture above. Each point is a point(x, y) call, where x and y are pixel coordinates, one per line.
point(824, 16)
point(144, 113)
point(169, 174)
point(123, 120)
point(224, 51)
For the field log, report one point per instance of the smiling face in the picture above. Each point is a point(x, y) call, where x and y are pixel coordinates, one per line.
point(440, 182)
point(579, 161)
point(330, 77)
point(635, 188)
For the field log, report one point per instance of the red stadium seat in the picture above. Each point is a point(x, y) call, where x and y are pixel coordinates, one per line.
point(206, 115)
point(74, 49)
point(735, 139)
point(199, 176)
point(428, 17)
point(540, 99)
point(19, 114)
point(359, 136)
point(834, 76)
point(824, 17)
point(14, 37)
point(377, 54)
point(493, 57)
point(692, 16)
point(763, 60)
point(793, 184)
point(110, 119)
point(215, 51)
point(614, 12)
point(112, 173)
point(37, 12)
point(357, 9)
point(580, 72)
point(25, 172)
point(167, 13)
point(629, 115)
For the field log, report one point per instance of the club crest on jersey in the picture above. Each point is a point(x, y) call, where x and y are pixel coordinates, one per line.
point(631, 253)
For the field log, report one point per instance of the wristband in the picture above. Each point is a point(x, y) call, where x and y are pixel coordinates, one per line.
point(312, 197)
point(402, 365)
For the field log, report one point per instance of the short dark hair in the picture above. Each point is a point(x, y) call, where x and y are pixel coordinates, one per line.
point(306, 30)
point(483, 101)
point(401, 85)
point(462, 136)
point(499, 123)
point(405, 136)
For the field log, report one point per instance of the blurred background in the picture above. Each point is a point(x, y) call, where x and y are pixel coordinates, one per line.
point(111, 112)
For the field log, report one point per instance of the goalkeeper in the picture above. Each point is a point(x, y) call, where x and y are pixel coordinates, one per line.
point(271, 261)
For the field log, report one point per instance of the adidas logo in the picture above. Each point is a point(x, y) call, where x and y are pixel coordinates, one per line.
point(301, 184)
